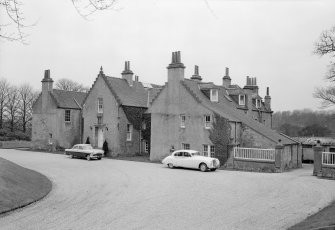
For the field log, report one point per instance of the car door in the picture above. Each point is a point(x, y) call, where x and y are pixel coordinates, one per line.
point(188, 160)
point(72, 151)
point(176, 159)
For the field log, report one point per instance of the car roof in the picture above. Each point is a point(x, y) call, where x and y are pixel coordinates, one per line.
point(185, 150)
point(82, 145)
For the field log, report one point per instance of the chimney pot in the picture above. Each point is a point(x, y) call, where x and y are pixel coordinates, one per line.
point(227, 72)
point(47, 74)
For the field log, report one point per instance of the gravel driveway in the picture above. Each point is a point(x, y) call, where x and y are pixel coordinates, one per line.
point(115, 194)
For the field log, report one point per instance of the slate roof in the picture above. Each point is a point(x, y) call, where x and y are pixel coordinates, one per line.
point(313, 140)
point(235, 90)
point(68, 99)
point(227, 109)
point(136, 95)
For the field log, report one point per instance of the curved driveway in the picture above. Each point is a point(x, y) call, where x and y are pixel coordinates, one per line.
point(115, 194)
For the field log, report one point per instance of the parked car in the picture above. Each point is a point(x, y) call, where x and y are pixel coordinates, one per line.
point(84, 151)
point(191, 159)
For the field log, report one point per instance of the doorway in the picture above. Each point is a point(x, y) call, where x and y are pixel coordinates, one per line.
point(98, 137)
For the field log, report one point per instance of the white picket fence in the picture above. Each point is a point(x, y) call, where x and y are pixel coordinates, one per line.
point(254, 154)
point(328, 158)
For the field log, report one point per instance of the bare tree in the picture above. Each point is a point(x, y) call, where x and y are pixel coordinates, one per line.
point(12, 106)
point(326, 46)
point(4, 88)
point(13, 26)
point(69, 85)
point(26, 96)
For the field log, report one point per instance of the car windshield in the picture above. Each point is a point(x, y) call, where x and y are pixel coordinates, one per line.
point(87, 147)
point(195, 154)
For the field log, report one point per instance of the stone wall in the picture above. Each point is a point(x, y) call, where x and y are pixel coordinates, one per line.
point(165, 122)
point(255, 166)
point(15, 144)
point(252, 139)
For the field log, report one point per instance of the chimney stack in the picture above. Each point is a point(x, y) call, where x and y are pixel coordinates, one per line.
point(251, 84)
point(267, 99)
point(127, 73)
point(47, 87)
point(176, 71)
point(226, 80)
point(196, 75)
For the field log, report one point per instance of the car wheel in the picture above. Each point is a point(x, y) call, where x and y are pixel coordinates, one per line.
point(213, 169)
point(203, 167)
point(170, 165)
point(99, 158)
point(88, 157)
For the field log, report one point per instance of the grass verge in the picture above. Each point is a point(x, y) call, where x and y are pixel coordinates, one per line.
point(20, 186)
point(320, 220)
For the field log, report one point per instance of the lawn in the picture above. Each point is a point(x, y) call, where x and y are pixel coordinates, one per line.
point(20, 186)
point(320, 220)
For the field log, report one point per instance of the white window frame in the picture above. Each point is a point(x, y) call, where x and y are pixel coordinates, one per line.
point(100, 105)
point(208, 124)
point(241, 99)
point(208, 150)
point(258, 103)
point(67, 117)
point(129, 132)
point(214, 95)
point(185, 146)
point(182, 121)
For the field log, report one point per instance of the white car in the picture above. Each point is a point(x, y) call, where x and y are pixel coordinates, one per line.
point(191, 159)
point(84, 151)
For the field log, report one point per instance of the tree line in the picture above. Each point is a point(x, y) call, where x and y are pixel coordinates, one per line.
point(305, 123)
point(16, 107)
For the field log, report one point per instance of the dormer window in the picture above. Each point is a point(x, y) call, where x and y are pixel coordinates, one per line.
point(241, 99)
point(258, 103)
point(214, 95)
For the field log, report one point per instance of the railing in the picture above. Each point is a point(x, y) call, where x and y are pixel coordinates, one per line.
point(254, 154)
point(328, 158)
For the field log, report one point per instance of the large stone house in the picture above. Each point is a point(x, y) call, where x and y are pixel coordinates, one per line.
point(135, 117)
point(56, 119)
point(184, 113)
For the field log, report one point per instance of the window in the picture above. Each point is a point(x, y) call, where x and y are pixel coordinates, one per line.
point(99, 120)
point(129, 132)
point(214, 95)
point(208, 150)
point(67, 115)
point(212, 152)
point(182, 121)
point(205, 150)
point(207, 121)
point(186, 154)
point(241, 100)
point(258, 103)
point(100, 105)
point(185, 146)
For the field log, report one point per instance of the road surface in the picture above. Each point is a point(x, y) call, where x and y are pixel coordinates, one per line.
point(115, 194)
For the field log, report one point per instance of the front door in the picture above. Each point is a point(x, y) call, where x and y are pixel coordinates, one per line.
point(98, 137)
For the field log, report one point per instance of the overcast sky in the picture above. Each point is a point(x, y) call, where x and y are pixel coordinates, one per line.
point(270, 40)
